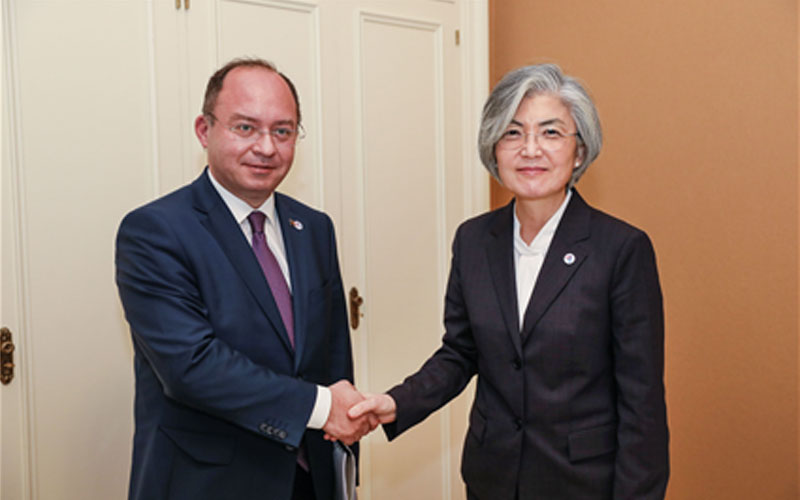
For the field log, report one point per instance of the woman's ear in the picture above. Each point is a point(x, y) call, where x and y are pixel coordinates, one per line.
point(579, 156)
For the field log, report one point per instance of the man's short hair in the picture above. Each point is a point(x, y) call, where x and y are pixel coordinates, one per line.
point(214, 85)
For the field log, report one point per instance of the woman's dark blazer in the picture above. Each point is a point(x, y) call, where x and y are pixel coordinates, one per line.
point(572, 406)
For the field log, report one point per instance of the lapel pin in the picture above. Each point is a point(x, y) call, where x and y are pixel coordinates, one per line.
point(296, 224)
point(569, 259)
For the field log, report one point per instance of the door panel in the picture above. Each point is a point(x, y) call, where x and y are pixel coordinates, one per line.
point(83, 157)
point(401, 82)
point(286, 34)
point(404, 195)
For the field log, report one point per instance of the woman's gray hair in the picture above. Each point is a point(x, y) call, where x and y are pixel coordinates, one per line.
point(502, 104)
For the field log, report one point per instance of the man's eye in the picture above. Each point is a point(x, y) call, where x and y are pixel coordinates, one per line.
point(243, 128)
point(282, 133)
point(552, 133)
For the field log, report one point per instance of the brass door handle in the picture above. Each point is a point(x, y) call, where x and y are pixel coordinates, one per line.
point(6, 356)
point(355, 308)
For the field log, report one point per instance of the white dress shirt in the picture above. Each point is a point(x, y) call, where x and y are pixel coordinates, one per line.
point(272, 231)
point(528, 259)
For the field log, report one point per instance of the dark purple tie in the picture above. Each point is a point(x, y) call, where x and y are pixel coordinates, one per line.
point(277, 283)
point(272, 271)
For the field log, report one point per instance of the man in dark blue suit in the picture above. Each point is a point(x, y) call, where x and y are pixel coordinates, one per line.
point(236, 307)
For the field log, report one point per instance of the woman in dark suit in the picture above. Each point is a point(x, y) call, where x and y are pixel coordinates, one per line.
point(557, 308)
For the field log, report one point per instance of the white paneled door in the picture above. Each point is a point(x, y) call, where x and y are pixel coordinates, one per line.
point(405, 192)
point(98, 103)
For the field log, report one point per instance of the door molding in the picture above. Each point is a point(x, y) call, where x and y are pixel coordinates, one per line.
point(475, 40)
point(18, 435)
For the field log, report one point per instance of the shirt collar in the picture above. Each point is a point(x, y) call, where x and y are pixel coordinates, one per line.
point(239, 208)
point(542, 240)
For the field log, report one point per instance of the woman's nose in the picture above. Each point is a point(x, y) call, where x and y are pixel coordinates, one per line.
point(530, 144)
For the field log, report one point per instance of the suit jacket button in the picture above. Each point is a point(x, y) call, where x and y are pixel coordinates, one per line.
point(518, 423)
point(265, 428)
point(517, 365)
point(281, 434)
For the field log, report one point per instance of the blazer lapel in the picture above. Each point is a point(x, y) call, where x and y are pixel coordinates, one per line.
point(500, 254)
point(214, 214)
point(296, 240)
point(566, 254)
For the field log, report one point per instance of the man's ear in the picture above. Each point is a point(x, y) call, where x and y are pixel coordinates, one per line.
point(201, 130)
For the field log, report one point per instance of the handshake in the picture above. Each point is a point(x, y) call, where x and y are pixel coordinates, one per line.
point(354, 415)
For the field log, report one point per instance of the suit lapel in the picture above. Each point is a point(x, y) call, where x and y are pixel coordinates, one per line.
point(567, 252)
point(296, 241)
point(216, 217)
point(500, 254)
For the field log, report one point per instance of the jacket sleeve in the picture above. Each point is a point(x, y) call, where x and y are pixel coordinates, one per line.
point(637, 322)
point(445, 374)
point(171, 328)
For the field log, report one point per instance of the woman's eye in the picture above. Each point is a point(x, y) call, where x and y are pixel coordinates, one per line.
point(513, 133)
point(552, 133)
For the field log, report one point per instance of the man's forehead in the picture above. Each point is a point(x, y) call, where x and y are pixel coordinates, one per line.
point(255, 76)
point(257, 86)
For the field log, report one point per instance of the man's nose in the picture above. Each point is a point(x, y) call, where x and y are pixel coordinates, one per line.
point(264, 144)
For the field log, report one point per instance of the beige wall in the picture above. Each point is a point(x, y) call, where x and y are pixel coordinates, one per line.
point(699, 103)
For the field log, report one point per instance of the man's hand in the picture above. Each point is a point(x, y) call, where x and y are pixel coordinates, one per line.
point(339, 425)
point(381, 406)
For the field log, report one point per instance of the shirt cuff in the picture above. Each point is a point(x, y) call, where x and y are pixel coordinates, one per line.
point(322, 409)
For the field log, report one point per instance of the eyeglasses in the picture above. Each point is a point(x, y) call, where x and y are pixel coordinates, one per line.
point(282, 134)
point(549, 139)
